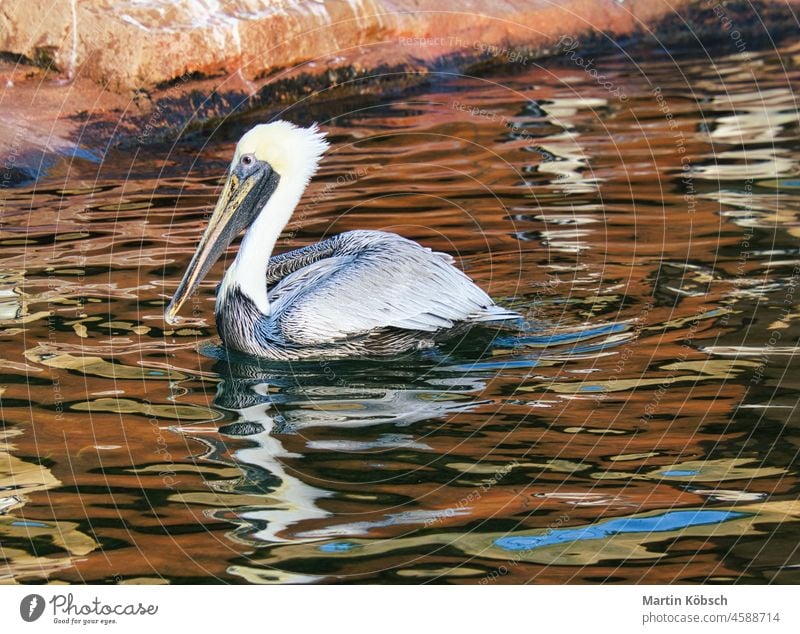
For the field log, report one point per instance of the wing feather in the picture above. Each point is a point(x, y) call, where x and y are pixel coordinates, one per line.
point(388, 282)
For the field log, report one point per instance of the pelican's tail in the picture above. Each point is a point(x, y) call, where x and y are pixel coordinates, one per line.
point(495, 313)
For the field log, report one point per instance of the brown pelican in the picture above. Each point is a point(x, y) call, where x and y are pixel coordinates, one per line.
point(357, 293)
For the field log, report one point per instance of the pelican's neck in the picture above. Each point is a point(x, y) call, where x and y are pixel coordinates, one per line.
point(249, 270)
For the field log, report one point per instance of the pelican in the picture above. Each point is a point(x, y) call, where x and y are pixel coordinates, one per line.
point(359, 293)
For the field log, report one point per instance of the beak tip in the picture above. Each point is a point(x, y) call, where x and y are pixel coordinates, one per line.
point(169, 315)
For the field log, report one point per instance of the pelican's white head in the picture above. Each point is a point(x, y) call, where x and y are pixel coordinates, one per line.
point(293, 152)
point(271, 168)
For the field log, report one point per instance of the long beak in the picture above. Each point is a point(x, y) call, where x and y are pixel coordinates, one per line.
point(227, 221)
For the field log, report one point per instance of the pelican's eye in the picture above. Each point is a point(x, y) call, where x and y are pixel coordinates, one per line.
point(247, 160)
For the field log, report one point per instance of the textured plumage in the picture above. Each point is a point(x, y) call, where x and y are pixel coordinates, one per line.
point(361, 292)
point(358, 293)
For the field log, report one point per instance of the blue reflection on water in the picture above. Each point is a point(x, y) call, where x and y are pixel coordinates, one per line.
point(560, 338)
point(493, 365)
point(670, 521)
point(29, 524)
point(337, 547)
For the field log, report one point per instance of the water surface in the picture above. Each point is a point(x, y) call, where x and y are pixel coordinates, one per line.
point(641, 428)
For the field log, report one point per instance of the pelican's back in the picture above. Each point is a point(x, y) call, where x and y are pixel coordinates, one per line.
point(374, 281)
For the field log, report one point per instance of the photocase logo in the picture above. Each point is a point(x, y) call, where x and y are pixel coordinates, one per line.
point(31, 607)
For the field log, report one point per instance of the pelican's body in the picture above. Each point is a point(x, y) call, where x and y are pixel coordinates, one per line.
point(357, 293)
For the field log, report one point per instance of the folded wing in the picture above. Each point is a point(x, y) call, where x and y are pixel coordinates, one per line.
point(387, 282)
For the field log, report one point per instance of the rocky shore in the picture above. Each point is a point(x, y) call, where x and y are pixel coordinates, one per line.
point(79, 76)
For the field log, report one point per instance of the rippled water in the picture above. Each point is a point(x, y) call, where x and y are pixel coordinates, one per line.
point(642, 428)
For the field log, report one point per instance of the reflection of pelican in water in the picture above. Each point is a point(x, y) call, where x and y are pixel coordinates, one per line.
point(280, 495)
point(358, 293)
point(275, 402)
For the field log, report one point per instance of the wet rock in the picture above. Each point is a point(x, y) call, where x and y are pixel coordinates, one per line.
point(128, 45)
point(76, 77)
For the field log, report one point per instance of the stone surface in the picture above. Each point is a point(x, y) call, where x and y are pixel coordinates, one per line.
point(133, 44)
point(77, 75)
